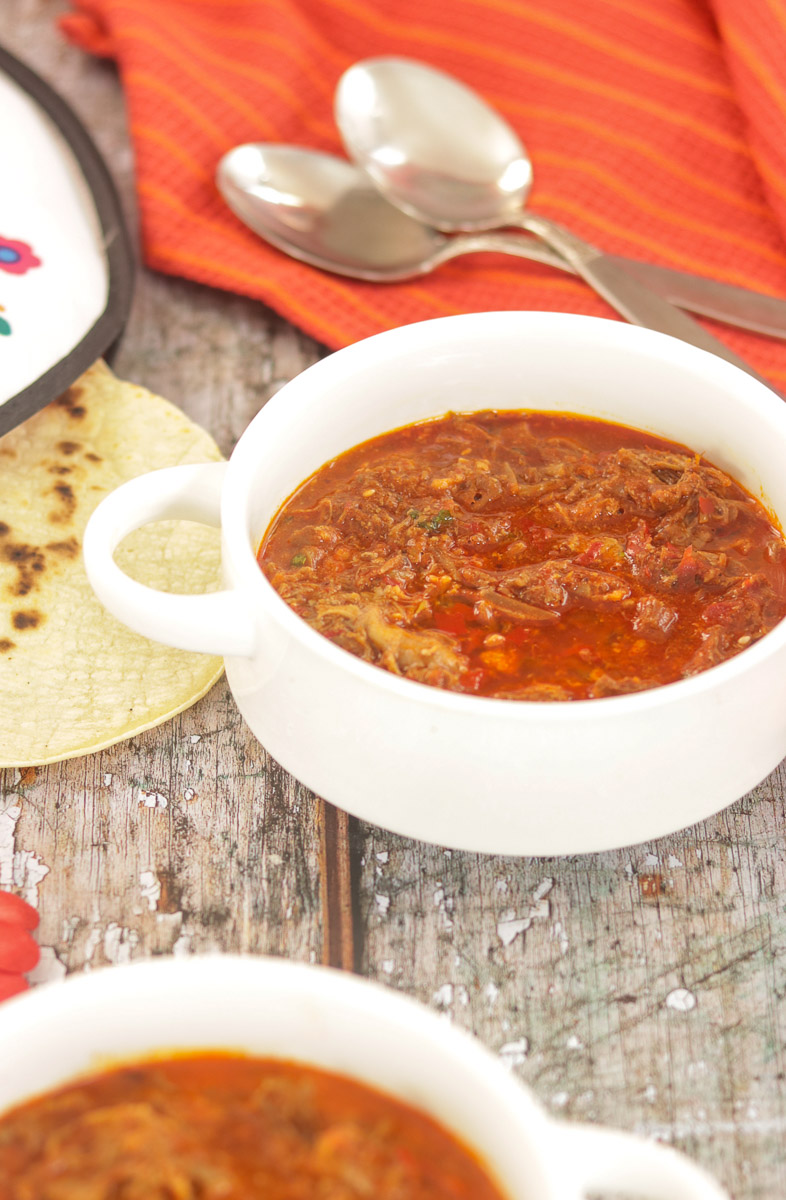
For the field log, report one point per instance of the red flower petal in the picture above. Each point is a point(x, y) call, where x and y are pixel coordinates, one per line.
point(12, 985)
point(18, 951)
point(22, 259)
point(16, 911)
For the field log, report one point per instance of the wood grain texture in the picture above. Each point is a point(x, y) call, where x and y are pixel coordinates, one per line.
point(341, 945)
point(187, 838)
point(644, 988)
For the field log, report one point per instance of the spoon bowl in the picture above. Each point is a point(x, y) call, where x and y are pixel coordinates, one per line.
point(322, 210)
point(431, 144)
point(326, 212)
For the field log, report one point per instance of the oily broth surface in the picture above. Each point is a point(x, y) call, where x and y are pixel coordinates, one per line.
point(225, 1127)
point(529, 556)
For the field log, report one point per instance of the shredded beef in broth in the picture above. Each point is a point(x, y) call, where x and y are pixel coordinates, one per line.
point(221, 1127)
point(529, 556)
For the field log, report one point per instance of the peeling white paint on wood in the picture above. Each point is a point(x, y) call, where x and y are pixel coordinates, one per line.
point(119, 943)
point(70, 926)
point(443, 904)
point(182, 946)
point(29, 871)
point(20, 870)
point(152, 799)
point(542, 890)
point(443, 997)
point(150, 887)
point(92, 942)
point(560, 937)
point(681, 1000)
point(513, 1054)
point(509, 926)
point(9, 815)
point(49, 968)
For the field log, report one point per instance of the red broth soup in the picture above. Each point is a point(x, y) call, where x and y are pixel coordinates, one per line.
point(529, 556)
point(219, 1127)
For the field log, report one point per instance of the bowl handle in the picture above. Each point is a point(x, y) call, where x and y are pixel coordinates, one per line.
point(213, 623)
point(608, 1160)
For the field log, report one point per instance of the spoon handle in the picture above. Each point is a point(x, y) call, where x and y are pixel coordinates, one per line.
point(710, 297)
point(722, 301)
point(623, 291)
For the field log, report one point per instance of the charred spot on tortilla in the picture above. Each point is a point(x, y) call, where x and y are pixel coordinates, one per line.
point(5, 645)
point(70, 401)
point(28, 561)
point(26, 620)
point(93, 457)
point(71, 396)
point(68, 448)
point(65, 494)
point(68, 548)
point(58, 470)
point(4, 529)
point(18, 552)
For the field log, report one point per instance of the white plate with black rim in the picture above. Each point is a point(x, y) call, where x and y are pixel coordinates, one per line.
point(66, 260)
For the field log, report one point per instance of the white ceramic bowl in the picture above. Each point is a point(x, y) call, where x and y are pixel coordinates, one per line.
point(488, 775)
point(279, 1009)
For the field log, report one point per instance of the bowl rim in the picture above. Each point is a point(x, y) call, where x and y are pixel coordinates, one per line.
point(238, 546)
point(262, 974)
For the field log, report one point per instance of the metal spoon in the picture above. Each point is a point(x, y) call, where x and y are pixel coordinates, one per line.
point(442, 154)
point(325, 211)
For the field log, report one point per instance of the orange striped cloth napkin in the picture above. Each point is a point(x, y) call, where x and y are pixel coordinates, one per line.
point(656, 129)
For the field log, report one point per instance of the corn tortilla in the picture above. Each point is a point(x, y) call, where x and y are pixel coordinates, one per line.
point(72, 678)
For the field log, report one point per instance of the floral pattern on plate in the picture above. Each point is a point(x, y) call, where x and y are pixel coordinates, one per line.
point(17, 257)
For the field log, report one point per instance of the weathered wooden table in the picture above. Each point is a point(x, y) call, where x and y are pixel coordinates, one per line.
point(644, 988)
